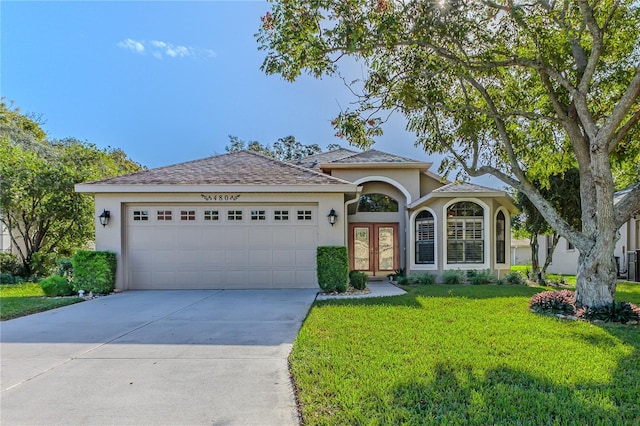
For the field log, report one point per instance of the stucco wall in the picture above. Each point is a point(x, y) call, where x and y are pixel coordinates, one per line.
point(407, 179)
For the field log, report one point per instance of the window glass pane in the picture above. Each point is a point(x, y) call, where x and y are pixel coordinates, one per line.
point(465, 233)
point(140, 215)
point(304, 214)
point(500, 238)
point(281, 215)
point(164, 215)
point(377, 203)
point(188, 215)
point(385, 249)
point(234, 215)
point(361, 249)
point(258, 215)
point(211, 215)
point(425, 238)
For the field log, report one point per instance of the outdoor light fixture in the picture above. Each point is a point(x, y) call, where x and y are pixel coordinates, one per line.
point(332, 217)
point(104, 217)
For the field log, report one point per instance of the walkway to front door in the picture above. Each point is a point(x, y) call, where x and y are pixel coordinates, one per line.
point(373, 247)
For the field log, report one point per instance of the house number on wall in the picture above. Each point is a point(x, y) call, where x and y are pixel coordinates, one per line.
point(221, 197)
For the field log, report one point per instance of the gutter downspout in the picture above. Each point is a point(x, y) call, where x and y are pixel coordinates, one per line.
point(346, 216)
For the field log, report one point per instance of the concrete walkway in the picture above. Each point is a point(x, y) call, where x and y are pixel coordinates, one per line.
point(154, 357)
point(378, 289)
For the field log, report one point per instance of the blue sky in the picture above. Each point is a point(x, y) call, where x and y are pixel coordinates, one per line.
point(165, 81)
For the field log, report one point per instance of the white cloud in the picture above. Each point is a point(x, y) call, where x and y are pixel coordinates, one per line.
point(134, 46)
point(161, 49)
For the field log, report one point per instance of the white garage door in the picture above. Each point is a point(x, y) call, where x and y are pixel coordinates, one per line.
point(230, 246)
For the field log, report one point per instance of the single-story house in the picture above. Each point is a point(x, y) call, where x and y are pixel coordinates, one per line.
point(565, 256)
point(243, 220)
point(520, 252)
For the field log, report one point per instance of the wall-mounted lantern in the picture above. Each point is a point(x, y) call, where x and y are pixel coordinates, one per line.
point(332, 217)
point(104, 217)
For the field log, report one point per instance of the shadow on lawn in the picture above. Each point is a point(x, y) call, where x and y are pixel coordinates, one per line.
point(507, 396)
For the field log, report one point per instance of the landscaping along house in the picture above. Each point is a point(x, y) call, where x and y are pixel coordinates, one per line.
point(243, 220)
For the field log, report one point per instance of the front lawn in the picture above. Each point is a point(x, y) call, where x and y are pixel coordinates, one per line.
point(464, 355)
point(17, 300)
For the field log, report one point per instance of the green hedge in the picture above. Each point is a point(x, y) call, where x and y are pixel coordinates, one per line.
point(94, 271)
point(358, 280)
point(56, 285)
point(333, 268)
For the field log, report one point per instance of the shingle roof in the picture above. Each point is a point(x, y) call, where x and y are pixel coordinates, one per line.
point(374, 156)
point(465, 187)
point(238, 168)
point(313, 161)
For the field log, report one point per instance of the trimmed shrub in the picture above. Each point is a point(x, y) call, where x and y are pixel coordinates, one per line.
point(10, 265)
point(514, 278)
point(425, 279)
point(453, 276)
point(55, 285)
point(94, 271)
point(6, 278)
point(553, 302)
point(332, 264)
point(402, 280)
point(622, 312)
point(358, 280)
point(64, 268)
point(480, 277)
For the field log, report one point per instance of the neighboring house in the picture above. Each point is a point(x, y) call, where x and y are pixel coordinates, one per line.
point(565, 256)
point(243, 220)
point(520, 252)
point(5, 239)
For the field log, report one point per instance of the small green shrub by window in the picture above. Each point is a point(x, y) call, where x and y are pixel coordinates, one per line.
point(480, 277)
point(426, 279)
point(333, 268)
point(358, 280)
point(514, 278)
point(452, 276)
point(56, 285)
point(94, 271)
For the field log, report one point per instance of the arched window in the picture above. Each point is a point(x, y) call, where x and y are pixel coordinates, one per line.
point(465, 233)
point(425, 238)
point(377, 203)
point(501, 232)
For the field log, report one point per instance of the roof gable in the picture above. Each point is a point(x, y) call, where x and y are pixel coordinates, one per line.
point(238, 168)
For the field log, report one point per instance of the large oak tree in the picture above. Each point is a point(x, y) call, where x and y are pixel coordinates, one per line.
point(513, 89)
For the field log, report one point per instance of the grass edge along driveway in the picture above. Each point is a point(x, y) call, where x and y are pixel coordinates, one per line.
point(464, 355)
point(18, 300)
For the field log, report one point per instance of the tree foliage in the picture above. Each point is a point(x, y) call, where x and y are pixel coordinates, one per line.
point(514, 89)
point(41, 210)
point(284, 149)
point(563, 191)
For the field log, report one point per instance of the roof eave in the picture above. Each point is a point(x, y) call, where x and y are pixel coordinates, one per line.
point(138, 188)
point(417, 165)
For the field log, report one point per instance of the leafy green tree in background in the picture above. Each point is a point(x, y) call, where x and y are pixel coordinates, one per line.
point(284, 149)
point(563, 192)
point(518, 90)
point(46, 218)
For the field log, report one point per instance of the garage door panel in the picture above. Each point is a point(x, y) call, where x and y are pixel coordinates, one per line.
point(305, 258)
point(189, 239)
point(283, 258)
point(236, 237)
point(213, 258)
point(306, 236)
point(208, 253)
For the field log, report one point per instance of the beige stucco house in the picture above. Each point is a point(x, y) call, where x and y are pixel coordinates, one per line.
point(243, 220)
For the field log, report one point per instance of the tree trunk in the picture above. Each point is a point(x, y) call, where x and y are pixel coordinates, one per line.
point(597, 273)
point(549, 258)
point(535, 260)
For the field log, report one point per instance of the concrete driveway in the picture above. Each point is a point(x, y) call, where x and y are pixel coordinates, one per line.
point(155, 358)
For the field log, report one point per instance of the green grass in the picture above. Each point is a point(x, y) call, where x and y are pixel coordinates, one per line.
point(463, 355)
point(17, 300)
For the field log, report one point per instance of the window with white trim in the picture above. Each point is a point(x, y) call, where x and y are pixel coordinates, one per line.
point(465, 230)
point(188, 215)
point(258, 215)
point(234, 215)
point(501, 236)
point(211, 215)
point(140, 215)
point(425, 238)
point(281, 215)
point(304, 215)
point(164, 215)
